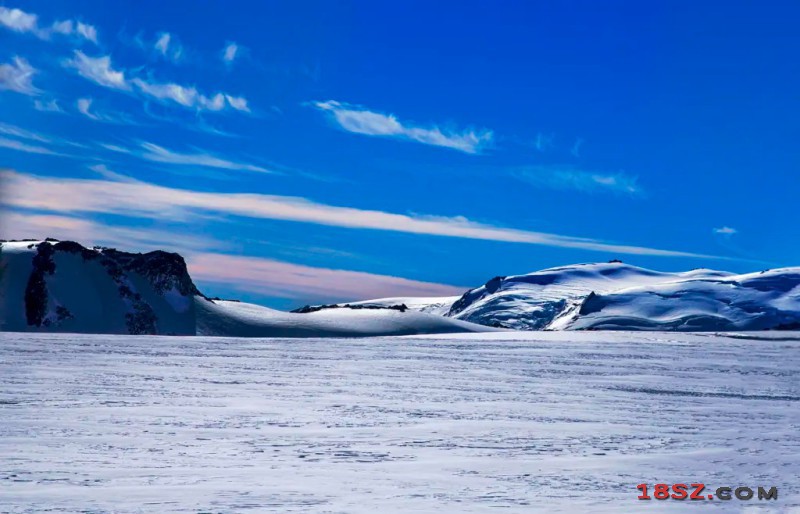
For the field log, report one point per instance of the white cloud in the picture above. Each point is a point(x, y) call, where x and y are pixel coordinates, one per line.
point(167, 46)
point(19, 132)
point(568, 178)
point(237, 102)
point(70, 27)
point(65, 27)
point(108, 174)
point(65, 196)
point(162, 44)
point(84, 104)
point(157, 153)
point(18, 225)
point(20, 21)
point(47, 106)
point(17, 20)
point(725, 231)
point(362, 121)
point(87, 31)
point(189, 96)
point(230, 52)
point(19, 146)
point(98, 70)
point(17, 76)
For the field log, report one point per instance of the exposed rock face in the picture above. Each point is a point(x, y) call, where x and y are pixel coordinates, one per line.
point(36, 290)
point(71, 288)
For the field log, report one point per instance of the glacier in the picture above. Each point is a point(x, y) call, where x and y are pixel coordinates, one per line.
point(518, 422)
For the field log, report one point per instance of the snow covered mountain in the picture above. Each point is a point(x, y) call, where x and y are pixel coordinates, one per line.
point(53, 286)
point(61, 286)
point(622, 297)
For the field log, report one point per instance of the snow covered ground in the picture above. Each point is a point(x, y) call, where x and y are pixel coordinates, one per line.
point(503, 422)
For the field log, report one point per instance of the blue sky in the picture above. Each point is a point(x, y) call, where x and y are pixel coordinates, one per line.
point(299, 152)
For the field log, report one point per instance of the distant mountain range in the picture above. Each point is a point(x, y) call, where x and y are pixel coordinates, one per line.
point(62, 286)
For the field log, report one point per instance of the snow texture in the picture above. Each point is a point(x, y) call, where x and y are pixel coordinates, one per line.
point(535, 422)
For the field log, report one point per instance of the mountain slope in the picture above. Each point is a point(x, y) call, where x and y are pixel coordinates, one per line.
point(769, 300)
point(619, 296)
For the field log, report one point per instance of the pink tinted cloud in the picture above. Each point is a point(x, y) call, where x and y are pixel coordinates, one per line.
point(147, 200)
point(276, 278)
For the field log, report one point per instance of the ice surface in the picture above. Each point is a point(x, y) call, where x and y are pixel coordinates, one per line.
point(506, 422)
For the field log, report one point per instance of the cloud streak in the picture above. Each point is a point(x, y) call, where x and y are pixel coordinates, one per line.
point(286, 280)
point(267, 277)
point(569, 178)
point(84, 106)
point(65, 195)
point(19, 146)
point(363, 121)
point(17, 76)
point(155, 153)
point(725, 231)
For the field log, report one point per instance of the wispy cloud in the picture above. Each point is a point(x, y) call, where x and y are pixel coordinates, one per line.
point(230, 52)
point(19, 132)
point(17, 76)
point(19, 146)
point(24, 225)
point(190, 97)
point(108, 174)
point(140, 199)
point(168, 47)
point(69, 28)
point(287, 280)
point(98, 70)
point(47, 106)
point(36, 137)
point(21, 21)
point(360, 120)
point(725, 231)
point(84, 106)
point(157, 153)
point(569, 178)
point(243, 273)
